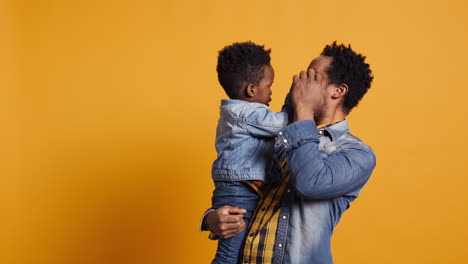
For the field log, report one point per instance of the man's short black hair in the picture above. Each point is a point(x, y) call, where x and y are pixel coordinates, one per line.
point(241, 63)
point(348, 67)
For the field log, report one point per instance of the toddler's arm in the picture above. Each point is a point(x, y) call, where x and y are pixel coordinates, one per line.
point(262, 122)
point(288, 107)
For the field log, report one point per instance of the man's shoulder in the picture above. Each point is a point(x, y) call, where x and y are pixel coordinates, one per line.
point(355, 150)
point(349, 141)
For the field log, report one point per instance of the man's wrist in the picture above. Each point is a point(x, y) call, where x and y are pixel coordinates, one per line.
point(303, 113)
point(205, 222)
point(212, 235)
point(203, 225)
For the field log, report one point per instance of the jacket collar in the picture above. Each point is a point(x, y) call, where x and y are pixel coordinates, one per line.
point(336, 130)
point(232, 101)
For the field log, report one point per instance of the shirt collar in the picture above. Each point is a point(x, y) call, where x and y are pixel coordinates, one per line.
point(232, 101)
point(336, 130)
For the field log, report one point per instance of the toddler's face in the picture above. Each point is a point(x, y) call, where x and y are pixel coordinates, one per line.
point(263, 94)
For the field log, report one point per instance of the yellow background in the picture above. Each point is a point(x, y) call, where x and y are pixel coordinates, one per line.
point(109, 108)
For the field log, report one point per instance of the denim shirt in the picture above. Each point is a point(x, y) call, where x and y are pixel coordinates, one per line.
point(245, 140)
point(328, 169)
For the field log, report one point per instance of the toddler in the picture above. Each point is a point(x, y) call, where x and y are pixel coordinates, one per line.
point(244, 136)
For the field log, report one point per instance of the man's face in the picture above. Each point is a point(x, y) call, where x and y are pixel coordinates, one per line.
point(321, 65)
point(263, 94)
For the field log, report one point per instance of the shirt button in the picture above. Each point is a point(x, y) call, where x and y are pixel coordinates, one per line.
point(284, 217)
point(288, 190)
point(320, 132)
point(281, 133)
point(280, 245)
point(263, 209)
point(285, 140)
point(246, 261)
point(251, 234)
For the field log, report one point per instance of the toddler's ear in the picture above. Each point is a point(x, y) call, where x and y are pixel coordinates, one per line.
point(250, 90)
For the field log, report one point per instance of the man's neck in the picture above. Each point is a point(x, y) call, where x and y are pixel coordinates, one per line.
point(330, 117)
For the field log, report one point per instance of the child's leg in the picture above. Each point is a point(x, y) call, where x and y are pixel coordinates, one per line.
point(235, 194)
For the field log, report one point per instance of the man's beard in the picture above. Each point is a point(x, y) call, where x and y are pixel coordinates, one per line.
point(320, 114)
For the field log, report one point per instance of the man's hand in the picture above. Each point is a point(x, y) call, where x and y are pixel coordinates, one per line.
point(226, 221)
point(306, 94)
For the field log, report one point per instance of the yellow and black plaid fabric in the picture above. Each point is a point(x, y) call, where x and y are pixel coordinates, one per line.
point(256, 185)
point(260, 241)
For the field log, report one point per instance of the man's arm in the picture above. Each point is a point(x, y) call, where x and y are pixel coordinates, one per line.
point(225, 222)
point(315, 177)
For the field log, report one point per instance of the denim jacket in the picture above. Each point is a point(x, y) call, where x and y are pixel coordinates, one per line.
point(328, 169)
point(245, 140)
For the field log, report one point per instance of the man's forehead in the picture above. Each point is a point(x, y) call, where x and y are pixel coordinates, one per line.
point(321, 62)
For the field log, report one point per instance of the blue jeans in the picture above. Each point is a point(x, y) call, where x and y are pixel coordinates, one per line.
point(236, 193)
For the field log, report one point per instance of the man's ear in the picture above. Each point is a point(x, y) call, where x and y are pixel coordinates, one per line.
point(339, 91)
point(250, 90)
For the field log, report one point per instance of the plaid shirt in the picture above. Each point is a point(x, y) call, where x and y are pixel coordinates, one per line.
point(260, 242)
point(280, 213)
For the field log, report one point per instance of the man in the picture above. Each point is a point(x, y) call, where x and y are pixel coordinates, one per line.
point(321, 165)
